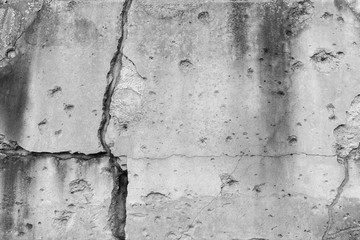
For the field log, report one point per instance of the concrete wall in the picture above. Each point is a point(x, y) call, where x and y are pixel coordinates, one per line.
point(226, 120)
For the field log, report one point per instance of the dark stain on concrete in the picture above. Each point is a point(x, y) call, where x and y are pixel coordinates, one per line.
point(85, 31)
point(281, 23)
point(14, 80)
point(14, 83)
point(44, 28)
point(274, 81)
point(238, 22)
point(15, 183)
point(15, 77)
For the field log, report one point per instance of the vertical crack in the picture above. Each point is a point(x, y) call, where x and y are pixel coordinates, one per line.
point(340, 189)
point(113, 77)
point(117, 210)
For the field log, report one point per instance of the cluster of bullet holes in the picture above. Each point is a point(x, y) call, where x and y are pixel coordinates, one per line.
point(329, 16)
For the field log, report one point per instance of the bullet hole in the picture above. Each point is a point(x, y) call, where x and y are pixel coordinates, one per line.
point(327, 15)
point(54, 91)
point(152, 93)
point(185, 65)
point(227, 180)
point(79, 185)
point(203, 140)
point(265, 50)
point(340, 53)
point(280, 93)
point(332, 117)
point(331, 109)
point(325, 61)
point(58, 132)
point(43, 122)
point(68, 107)
point(298, 65)
point(292, 140)
point(340, 19)
point(11, 53)
point(29, 226)
point(257, 188)
point(330, 106)
point(250, 70)
point(204, 17)
point(39, 223)
point(299, 124)
point(288, 33)
point(228, 138)
point(322, 56)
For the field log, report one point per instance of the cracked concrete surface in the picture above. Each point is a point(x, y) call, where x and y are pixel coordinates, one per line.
point(148, 119)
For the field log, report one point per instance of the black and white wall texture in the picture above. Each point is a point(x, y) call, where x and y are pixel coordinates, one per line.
point(180, 119)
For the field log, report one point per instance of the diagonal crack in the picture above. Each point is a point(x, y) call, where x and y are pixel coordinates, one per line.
point(117, 210)
point(331, 210)
point(113, 77)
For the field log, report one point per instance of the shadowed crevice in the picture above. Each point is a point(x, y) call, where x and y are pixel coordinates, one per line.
point(117, 210)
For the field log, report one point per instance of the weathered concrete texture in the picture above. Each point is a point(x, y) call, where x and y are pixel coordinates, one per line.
point(54, 73)
point(204, 84)
point(231, 198)
point(221, 78)
point(46, 198)
point(238, 119)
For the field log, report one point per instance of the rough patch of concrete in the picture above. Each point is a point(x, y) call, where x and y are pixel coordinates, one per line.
point(48, 198)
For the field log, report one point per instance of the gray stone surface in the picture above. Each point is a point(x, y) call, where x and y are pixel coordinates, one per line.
point(232, 120)
point(52, 89)
point(48, 198)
